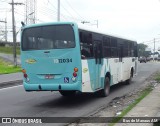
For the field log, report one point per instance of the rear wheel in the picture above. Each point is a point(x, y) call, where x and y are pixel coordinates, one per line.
point(67, 93)
point(130, 79)
point(105, 92)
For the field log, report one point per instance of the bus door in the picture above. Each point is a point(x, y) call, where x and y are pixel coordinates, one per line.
point(120, 71)
point(98, 63)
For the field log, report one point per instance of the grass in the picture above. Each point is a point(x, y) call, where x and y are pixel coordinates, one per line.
point(9, 50)
point(157, 77)
point(6, 67)
point(156, 124)
point(143, 94)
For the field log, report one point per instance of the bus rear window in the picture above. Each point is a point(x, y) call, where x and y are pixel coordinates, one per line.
point(48, 37)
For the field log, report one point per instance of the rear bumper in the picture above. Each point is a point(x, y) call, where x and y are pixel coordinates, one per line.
point(53, 87)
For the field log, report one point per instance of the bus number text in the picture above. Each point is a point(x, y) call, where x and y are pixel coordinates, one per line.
point(62, 60)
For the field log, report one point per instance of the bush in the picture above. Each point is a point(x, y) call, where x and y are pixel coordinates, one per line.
point(2, 44)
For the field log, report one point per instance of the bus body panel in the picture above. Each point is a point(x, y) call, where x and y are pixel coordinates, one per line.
point(87, 76)
point(53, 69)
point(111, 65)
point(60, 64)
point(53, 87)
point(91, 76)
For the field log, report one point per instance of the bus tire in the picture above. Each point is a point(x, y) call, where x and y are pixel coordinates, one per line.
point(67, 93)
point(130, 78)
point(105, 92)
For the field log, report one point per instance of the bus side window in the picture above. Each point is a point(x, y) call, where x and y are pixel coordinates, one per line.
point(85, 53)
point(86, 44)
point(107, 47)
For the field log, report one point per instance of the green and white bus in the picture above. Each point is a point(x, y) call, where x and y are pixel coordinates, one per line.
point(63, 57)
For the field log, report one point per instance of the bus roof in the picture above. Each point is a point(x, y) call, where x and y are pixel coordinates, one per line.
point(82, 27)
point(96, 30)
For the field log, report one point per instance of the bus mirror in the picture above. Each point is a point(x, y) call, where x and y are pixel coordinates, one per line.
point(22, 23)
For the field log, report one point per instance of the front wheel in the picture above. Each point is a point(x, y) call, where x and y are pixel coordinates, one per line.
point(67, 93)
point(105, 92)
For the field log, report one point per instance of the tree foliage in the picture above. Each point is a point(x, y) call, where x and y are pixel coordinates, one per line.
point(141, 49)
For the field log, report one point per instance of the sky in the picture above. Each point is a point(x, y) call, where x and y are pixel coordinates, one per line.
point(135, 19)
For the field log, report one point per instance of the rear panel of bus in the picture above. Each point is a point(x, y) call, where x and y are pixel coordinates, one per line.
point(51, 57)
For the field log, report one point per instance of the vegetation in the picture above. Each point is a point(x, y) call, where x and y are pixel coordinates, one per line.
point(9, 50)
point(157, 77)
point(143, 94)
point(142, 50)
point(7, 67)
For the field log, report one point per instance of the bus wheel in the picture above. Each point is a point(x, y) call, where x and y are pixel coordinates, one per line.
point(68, 93)
point(130, 79)
point(105, 92)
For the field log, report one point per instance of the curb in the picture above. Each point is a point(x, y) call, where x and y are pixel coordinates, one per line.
point(157, 123)
point(11, 83)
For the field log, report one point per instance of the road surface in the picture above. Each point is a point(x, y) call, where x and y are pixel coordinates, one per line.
point(15, 102)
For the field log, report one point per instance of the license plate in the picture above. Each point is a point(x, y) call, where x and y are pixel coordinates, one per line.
point(48, 76)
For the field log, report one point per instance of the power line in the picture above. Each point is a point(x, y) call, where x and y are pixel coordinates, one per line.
point(65, 16)
point(74, 9)
point(150, 41)
point(50, 11)
point(3, 1)
point(66, 10)
point(52, 4)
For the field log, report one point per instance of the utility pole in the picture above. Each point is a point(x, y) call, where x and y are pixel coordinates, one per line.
point(154, 49)
point(26, 7)
point(14, 32)
point(97, 23)
point(6, 29)
point(5, 32)
point(30, 11)
point(58, 11)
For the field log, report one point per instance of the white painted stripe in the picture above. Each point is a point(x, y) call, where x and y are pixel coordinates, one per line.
point(10, 87)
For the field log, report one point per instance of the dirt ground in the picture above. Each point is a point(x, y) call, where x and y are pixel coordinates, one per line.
point(118, 104)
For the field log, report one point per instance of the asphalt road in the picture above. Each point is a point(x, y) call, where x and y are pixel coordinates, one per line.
point(15, 102)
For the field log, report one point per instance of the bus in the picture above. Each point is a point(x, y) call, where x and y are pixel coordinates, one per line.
point(61, 56)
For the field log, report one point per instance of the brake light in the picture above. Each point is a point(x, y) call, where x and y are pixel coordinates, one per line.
point(25, 75)
point(75, 74)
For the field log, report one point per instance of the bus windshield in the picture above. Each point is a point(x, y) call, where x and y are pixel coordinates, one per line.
point(48, 37)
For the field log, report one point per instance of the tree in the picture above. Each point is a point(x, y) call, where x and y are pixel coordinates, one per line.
point(141, 49)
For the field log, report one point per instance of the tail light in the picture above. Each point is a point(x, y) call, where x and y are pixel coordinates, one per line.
point(75, 69)
point(23, 71)
point(25, 75)
point(75, 74)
